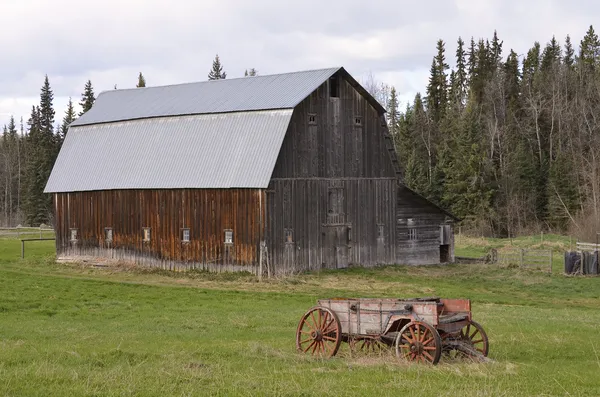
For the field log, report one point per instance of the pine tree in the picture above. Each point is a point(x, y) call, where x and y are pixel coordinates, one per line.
point(496, 51)
point(217, 72)
point(67, 120)
point(569, 57)
point(393, 113)
point(87, 98)
point(437, 89)
point(551, 55)
point(251, 73)
point(589, 51)
point(461, 76)
point(141, 81)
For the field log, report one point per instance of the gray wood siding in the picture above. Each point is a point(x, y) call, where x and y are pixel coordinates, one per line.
point(335, 146)
point(413, 212)
point(319, 237)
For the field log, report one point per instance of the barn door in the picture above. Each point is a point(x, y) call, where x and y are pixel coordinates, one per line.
point(336, 246)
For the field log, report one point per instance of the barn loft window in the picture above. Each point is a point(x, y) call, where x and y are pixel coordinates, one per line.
point(108, 234)
point(289, 236)
point(185, 235)
point(228, 236)
point(147, 234)
point(333, 87)
point(73, 234)
point(412, 234)
point(357, 121)
point(312, 119)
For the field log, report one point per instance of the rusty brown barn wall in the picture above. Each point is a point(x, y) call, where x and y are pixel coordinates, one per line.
point(206, 212)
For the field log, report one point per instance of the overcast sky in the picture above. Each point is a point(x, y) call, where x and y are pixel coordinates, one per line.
point(111, 41)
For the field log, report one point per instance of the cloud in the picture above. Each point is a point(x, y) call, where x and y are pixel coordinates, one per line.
point(174, 41)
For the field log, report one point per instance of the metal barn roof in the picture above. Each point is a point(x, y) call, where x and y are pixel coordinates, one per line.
point(279, 91)
point(226, 150)
point(213, 134)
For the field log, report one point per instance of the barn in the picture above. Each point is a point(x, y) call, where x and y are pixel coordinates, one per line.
point(269, 174)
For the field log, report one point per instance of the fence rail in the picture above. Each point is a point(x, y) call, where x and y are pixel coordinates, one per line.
point(587, 246)
point(24, 231)
point(23, 241)
point(527, 258)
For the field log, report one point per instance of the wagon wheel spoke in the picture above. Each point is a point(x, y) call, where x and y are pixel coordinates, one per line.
point(419, 342)
point(319, 334)
point(309, 346)
point(467, 336)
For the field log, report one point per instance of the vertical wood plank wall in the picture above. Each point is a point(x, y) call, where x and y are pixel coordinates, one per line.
point(206, 212)
point(342, 139)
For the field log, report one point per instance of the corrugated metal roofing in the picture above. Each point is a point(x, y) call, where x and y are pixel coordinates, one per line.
point(227, 150)
point(280, 91)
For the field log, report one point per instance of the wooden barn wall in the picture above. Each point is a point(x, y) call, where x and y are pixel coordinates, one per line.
point(207, 213)
point(415, 213)
point(334, 146)
point(319, 237)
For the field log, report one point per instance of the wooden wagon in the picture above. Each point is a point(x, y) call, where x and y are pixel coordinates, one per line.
point(419, 329)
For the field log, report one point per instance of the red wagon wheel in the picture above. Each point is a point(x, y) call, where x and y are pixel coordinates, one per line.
point(419, 342)
point(319, 333)
point(474, 336)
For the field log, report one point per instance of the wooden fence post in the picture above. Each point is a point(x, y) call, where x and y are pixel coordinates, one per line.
point(522, 257)
point(550, 261)
point(22, 249)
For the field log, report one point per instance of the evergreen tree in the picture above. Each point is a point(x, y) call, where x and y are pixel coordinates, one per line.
point(251, 73)
point(461, 76)
point(569, 57)
point(67, 120)
point(87, 98)
point(551, 55)
point(393, 113)
point(589, 51)
point(217, 72)
point(496, 51)
point(141, 81)
point(437, 89)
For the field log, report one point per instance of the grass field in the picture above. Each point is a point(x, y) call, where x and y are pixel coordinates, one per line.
point(76, 330)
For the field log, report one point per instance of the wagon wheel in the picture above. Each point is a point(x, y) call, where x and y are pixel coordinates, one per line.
point(319, 333)
point(419, 341)
point(475, 340)
point(368, 345)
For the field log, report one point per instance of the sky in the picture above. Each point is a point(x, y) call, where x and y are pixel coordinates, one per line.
point(175, 41)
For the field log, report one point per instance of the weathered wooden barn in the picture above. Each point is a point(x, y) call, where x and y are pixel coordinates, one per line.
point(274, 174)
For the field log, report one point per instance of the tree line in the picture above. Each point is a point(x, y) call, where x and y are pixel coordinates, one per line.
point(508, 143)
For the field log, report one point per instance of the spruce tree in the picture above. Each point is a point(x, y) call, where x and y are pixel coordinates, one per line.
point(461, 74)
point(141, 81)
point(87, 98)
point(589, 51)
point(217, 72)
point(437, 89)
point(251, 73)
point(67, 120)
point(569, 57)
point(393, 113)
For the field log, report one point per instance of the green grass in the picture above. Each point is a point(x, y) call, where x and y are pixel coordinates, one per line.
point(77, 330)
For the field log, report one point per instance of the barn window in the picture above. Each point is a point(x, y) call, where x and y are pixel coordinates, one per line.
point(228, 236)
point(357, 121)
point(289, 236)
point(108, 234)
point(73, 234)
point(412, 234)
point(147, 234)
point(333, 87)
point(185, 235)
point(312, 119)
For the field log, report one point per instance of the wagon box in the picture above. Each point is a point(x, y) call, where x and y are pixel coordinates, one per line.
point(420, 329)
